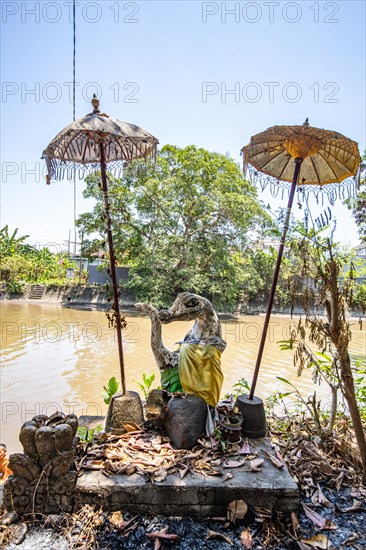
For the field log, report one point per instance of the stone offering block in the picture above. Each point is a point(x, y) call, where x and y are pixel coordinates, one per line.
point(194, 495)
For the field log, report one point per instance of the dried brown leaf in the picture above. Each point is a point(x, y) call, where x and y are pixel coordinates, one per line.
point(317, 541)
point(353, 538)
point(295, 522)
point(183, 473)
point(18, 533)
point(117, 519)
point(323, 501)
point(246, 539)
point(234, 463)
point(358, 492)
point(356, 507)
point(162, 535)
point(339, 480)
point(279, 456)
point(326, 468)
point(93, 465)
point(237, 509)
point(263, 512)
point(245, 449)
point(216, 535)
point(228, 476)
point(131, 427)
point(317, 519)
point(255, 465)
point(275, 461)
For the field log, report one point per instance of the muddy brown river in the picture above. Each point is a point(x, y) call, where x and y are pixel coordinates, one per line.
point(55, 358)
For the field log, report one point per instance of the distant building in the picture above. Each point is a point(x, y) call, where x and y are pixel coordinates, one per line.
point(77, 260)
point(360, 250)
point(99, 275)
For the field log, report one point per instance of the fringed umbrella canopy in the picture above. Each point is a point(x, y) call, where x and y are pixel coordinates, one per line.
point(79, 144)
point(328, 158)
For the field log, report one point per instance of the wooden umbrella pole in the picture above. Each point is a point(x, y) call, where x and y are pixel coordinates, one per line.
point(298, 162)
point(112, 264)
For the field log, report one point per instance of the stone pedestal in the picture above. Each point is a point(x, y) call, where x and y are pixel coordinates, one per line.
point(195, 495)
point(254, 418)
point(124, 408)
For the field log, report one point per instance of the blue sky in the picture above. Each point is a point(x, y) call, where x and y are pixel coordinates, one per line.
point(169, 66)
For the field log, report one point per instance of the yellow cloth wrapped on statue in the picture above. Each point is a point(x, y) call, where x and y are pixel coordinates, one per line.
point(200, 372)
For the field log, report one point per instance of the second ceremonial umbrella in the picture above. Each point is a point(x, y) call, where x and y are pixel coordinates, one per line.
point(301, 155)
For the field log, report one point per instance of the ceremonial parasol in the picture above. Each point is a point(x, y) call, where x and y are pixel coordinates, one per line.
point(304, 156)
point(95, 141)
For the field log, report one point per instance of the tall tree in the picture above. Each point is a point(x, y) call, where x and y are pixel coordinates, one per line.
point(181, 224)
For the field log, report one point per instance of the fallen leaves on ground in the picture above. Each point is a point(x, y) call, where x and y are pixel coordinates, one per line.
point(311, 459)
point(116, 519)
point(151, 453)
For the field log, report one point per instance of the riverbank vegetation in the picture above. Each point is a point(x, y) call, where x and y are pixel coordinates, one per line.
point(21, 263)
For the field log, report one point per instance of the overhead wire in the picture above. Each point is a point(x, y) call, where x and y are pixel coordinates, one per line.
point(74, 104)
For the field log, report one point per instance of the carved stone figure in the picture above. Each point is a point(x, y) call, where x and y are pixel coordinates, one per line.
point(43, 478)
point(196, 366)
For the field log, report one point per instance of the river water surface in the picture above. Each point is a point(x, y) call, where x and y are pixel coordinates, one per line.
point(56, 358)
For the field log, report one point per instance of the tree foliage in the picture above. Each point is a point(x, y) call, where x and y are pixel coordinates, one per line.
point(10, 244)
point(331, 289)
point(184, 223)
point(21, 262)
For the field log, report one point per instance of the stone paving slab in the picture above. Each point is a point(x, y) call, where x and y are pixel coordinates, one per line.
point(194, 495)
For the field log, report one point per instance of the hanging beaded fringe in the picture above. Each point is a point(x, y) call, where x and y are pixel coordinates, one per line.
point(58, 170)
point(333, 191)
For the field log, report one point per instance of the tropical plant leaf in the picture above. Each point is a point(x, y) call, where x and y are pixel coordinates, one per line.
point(113, 385)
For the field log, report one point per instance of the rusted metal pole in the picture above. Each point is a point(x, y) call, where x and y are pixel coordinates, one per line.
point(298, 162)
point(112, 265)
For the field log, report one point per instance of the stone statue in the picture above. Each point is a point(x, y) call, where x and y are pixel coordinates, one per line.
point(43, 478)
point(195, 367)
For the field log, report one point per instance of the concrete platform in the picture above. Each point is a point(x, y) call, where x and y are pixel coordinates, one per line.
point(194, 495)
